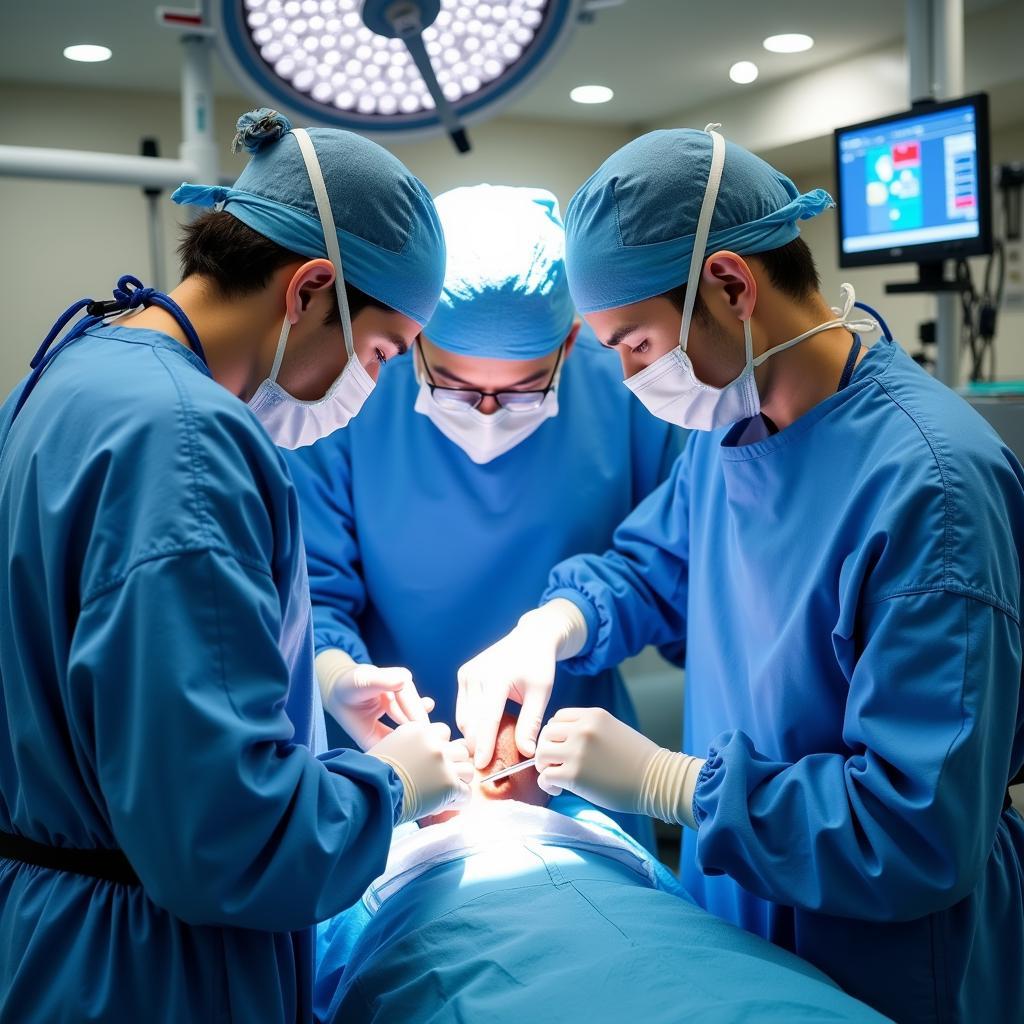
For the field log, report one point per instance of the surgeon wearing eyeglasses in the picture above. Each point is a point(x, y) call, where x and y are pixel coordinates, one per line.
point(840, 544)
point(522, 388)
point(512, 444)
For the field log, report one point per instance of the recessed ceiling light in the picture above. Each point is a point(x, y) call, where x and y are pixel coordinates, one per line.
point(591, 94)
point(788, 42)
point(743, 72)
point(87, 53)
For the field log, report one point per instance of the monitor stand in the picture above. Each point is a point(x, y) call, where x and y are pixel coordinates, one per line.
point(931, 278)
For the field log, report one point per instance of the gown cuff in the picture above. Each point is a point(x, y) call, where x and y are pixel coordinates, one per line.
point(575, 618)
point(562, 621)
point(668, 785)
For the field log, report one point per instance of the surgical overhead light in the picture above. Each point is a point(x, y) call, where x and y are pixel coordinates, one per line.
point(391, 67)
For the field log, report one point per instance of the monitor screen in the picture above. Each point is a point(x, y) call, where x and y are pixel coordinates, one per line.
point(914, 187)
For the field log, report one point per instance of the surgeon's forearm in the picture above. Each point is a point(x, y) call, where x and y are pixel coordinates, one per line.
point(668, 785)
point(561, 621)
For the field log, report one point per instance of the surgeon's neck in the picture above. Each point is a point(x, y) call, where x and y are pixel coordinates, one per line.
point(234, 331)
point(794, 381)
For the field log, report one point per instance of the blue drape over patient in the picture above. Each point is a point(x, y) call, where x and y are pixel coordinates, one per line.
point(551, 917)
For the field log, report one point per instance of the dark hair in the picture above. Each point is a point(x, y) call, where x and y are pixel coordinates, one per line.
point(790, 268)
point(241, 261)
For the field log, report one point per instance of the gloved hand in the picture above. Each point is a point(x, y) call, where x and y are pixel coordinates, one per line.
point(435, 771)
point(356, 696)
point(592, 754)
point(520, 666)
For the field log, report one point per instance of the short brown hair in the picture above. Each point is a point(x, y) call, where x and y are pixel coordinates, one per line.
point(241, 261)
point(790, 268)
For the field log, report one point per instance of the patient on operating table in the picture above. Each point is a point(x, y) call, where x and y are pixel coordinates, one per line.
point(522, 786)
point(525, 907)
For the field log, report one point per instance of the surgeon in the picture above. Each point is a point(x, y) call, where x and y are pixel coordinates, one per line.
point(513, 445)
point(168, 833)
point(840, 545)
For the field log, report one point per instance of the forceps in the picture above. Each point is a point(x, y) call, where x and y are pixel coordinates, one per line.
point(512, 769)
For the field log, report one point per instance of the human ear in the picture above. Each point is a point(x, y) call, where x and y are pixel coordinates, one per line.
point(312, 277)
point(729, 283)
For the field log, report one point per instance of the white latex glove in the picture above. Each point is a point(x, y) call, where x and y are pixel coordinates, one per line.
point(592, 754)
point(357, 696)
point(520, 666)
point(435, 770)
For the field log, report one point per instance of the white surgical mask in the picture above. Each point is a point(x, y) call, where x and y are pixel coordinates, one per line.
point(291, 422)
point(670, 388)
point(483, 438)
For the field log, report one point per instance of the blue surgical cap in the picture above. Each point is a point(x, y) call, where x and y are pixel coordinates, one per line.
point(505, 291)
point(391, 243)
point(630, 228)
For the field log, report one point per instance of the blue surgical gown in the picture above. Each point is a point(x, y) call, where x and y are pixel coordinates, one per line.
point(425, 558)
point(157, 696)
point(850, 589)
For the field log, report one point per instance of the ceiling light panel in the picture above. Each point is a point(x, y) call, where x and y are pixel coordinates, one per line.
point(788, 42)
point(743, 72)
point(591, 94)
point(87, 53)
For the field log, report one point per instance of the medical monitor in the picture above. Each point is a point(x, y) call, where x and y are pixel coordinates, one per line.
point(915, 187)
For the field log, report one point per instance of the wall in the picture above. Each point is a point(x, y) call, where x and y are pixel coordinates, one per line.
point(62, 240)
point(790, 123)
point(870, 85)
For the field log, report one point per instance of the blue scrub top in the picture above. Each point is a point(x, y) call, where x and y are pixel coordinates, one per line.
point(157, 696)
point(421, 558)
point(851, 593)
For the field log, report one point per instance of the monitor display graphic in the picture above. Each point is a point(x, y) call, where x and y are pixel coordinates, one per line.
point(912, 181)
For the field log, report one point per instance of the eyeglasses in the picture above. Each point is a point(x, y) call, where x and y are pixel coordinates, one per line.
point(472, 398)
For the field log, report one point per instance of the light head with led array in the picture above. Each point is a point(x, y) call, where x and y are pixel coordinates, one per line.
point(395, 69)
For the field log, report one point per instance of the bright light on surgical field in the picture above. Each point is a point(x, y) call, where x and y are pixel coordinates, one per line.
point(87, 53)
point(591, 94)
point(743, 72)
point(788, 42)
point(391, 66)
